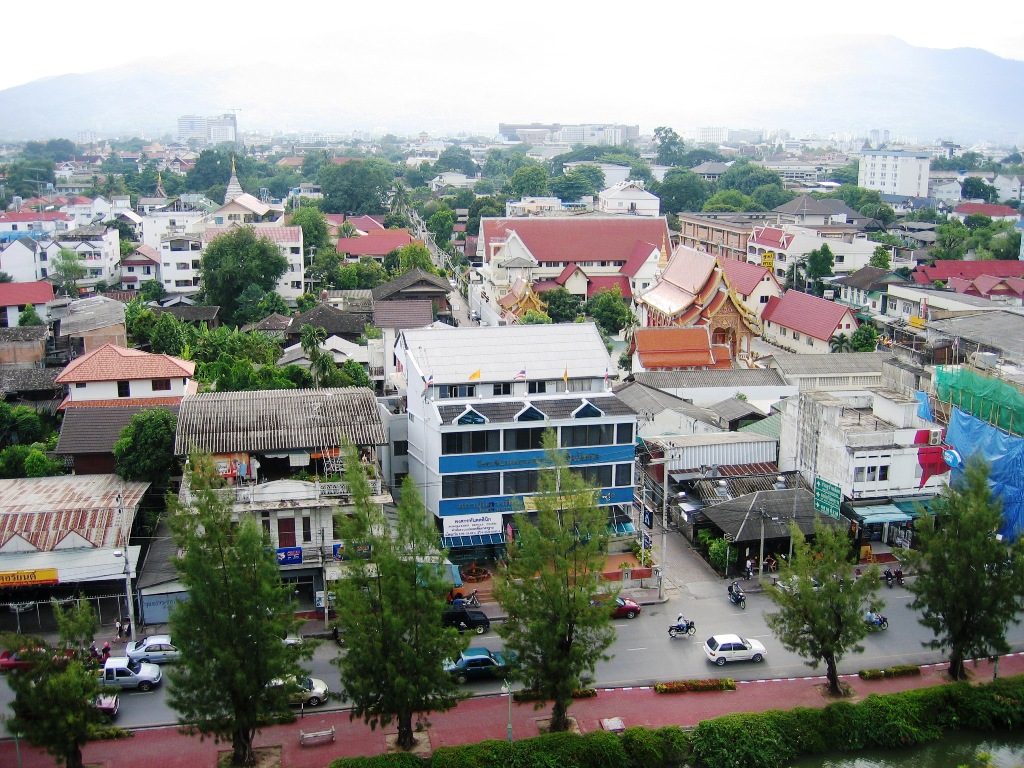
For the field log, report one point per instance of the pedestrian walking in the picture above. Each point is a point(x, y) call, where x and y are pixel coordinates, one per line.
point(750, 568)
point(126, 630)
point(117, 629)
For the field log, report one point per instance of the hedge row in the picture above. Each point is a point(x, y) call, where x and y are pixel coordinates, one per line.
point(752, 740)
point(689, 686)
point(900, 670)
point(525, 694)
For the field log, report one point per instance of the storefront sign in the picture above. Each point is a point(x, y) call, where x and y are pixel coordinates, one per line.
point(232, 465)
point(28, 578)
point(827, 497)
point(952, 458)
point(289, 555)
point(359, 550)
point(768, 259)
point(472, 525)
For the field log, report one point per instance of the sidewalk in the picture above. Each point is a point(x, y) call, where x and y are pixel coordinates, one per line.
point(486, 717)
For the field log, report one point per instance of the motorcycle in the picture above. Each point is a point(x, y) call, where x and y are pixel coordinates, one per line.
point(889, 578)
point(899, 576)
point(682, 627)
point(736, 596)
point(876, 622)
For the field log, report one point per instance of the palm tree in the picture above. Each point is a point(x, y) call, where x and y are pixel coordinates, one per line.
point(796, 276)
point(401, 199)
point(840, 343)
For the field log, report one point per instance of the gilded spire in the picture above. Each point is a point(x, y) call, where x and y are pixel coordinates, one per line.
point(159, 186)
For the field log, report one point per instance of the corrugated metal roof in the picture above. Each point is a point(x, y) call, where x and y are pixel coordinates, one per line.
point(278, 420)
point(791, 364)
point(712, 377)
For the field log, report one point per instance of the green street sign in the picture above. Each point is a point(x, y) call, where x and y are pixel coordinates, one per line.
point(827, 497)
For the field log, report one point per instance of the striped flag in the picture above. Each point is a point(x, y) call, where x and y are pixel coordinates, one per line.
point(521, 376)
point(605, 375)
point(427, 382)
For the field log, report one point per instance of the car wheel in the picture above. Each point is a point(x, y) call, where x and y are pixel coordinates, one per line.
point(461, 679)
point(145, 685)
point(720, 661)
point(313, 701)
point(757, 658)
point(630, 614)
point(481, 629)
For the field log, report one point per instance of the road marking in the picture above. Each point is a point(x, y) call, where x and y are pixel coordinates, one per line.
point(636, 649)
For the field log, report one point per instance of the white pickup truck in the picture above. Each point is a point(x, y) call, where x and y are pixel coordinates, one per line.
point(122, 672)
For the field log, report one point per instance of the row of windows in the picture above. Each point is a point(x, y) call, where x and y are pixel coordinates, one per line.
point(459, 391)
point(529, 438)
point(871, 474)
point(527, 481)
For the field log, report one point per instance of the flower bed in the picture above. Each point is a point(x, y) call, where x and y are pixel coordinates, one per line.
point(900, 670)
point(695, 686)
point(528, 695)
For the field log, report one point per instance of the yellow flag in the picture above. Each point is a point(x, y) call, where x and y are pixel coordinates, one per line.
point(474, 375)
point(565, 376)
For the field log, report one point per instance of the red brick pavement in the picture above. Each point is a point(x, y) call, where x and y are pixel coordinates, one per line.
point(482, 718)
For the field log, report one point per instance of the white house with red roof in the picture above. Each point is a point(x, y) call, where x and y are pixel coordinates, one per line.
point(943, 269)
point(29, 223)
point(113, 375)
point(783, 246)
point(140, 266)
point(377, 243)
point(994, 212)
point(804, 323)
point(15, 297)
point(754, 284)
point(288, 240)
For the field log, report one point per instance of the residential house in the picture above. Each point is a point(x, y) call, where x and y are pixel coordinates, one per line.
point(181, 258)
point(1008, 187)
point(734, 413)
point(711, 170)
point(191, 314)
point(942, 270)
point(724, 235)
point(245, 209)
point(392, 317)
point(692, 291)
point(273, 325)
point(994, 212)
point(754, 284)
point(781, 247)
point(415, 285)
point(84, 325)
point(25, 260)
point(914, 304)
point(28, 223)
point(825, 215)
point(336, 322)
point(628, 197)
point(805, 323)
point(451, 180)
point(139, 267)
point(948, 191)
point(99, 249)
point(865, 290)
point(281, 453)
point(22, 347)
point(15, 297)
point(1007, 290)
point(288, 240)
point(894, 171)
point(533, 206)
point(116, 375)
point(166, 217)
point(479, 401)
point(904, 204)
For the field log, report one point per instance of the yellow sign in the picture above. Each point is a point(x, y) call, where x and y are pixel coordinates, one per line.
point(916, 322)
point(768, 259)
point(28, 578)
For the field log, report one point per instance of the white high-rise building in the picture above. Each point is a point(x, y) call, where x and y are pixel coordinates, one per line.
point(894, 172)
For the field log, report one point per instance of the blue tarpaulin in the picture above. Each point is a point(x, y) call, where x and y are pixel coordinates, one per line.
point(1004, 453)
point(924, 410)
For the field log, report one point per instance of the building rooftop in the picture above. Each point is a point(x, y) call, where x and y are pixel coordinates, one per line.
point(711, 377)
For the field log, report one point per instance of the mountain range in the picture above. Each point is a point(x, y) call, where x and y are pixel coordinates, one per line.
point(850, 84)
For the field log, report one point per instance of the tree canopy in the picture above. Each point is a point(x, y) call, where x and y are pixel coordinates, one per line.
point(683, 190)
point(357, 186)
point(145, 448)
point(562, 306)
point(234, 260)
point(609, 310)
point(671, 150)
point(820, 262)
point(528, 181)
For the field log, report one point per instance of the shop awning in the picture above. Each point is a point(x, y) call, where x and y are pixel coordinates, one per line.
point(881, 513)
point(451, 542)
point(913, 506)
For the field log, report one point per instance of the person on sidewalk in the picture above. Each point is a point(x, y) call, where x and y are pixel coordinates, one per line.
point(750, 569)
point(117, 629)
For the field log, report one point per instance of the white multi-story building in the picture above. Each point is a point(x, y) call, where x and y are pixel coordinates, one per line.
point(895, 172)
point(98, 248)
point(479, 400)
point(628, 197)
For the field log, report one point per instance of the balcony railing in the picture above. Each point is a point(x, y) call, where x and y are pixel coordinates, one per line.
point(315, 490)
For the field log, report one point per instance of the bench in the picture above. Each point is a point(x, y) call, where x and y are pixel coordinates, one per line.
point(316, 737)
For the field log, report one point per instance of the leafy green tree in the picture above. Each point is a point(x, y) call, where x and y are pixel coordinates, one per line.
point(848, 174)
point(533, 317)
point(145, 448)
point(970, 582)
point(38, 464)
point(365, 274)
point(743, 176)
point(771, 196)
point(456, 158)
point(230, 628)
point(840, 342)
point(66, 271)
point(609, 310)
point(880, 258)
point(234, 260)
point(168, 336)
point(20, 425)
point(77, 624)
point(395, 646)
point(316, 230)
point(442, 224)
point(593, 174)
point(683, 190)
point(414, 256)
point(53, 706)
point(401, 199)
point(562, 306)
point(820, 614)
point(29, 316)
point(670, 146)
point(152, 290)
point(730, 200)
point(977, 221)
point(796, 275)
point(820, 262)
point(357, 187)
point(950, 240)
point(574, 185)
point(556, 627)
point(865, 338)
point(528, 181)
point(354, 375)
point(975, 188)
point(6, 278)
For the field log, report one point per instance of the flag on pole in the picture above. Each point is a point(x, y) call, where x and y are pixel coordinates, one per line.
point(605, 375)
point(565, 376)
point(521, 376)
point(475, 375)
point(427, 382)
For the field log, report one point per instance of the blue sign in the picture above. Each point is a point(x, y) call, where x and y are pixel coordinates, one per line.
point(289, 555)
point(952, 458)
point(648, 517)
point(493, 504)
point(510, 461)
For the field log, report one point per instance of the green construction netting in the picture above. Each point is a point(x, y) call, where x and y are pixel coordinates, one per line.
point(991, 400)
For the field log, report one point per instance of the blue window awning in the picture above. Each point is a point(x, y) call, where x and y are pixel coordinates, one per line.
point(881, 513)
point(454, 542)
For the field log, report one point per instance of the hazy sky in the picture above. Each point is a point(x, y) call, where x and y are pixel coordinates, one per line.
point(548, 39)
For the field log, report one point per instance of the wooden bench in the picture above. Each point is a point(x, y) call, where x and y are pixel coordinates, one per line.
point(316, 737)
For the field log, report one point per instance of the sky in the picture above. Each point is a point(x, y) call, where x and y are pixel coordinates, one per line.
point(543, 37)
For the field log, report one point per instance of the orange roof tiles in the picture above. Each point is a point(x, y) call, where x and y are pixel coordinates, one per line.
point(113, 363)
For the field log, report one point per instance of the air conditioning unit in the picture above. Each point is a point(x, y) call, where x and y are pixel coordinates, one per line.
point(935, 437)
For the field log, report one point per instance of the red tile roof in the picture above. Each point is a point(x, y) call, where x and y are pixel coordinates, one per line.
point(641, 252)
point(113, 363)
point(378, 242)
point(17, 217)
point(605, 283)
point(20, 294)
point(743, 276)
point(555, 241)
point(120, 402)
point(364, 223)
point(771, 237)
point(943, 270)
point(995, 211)
point(807, 314)
point(674, 347)
point(567, 272)
point(144, 254)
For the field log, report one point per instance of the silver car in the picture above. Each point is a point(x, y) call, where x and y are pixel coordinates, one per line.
point(157, 649)
point(309, 691)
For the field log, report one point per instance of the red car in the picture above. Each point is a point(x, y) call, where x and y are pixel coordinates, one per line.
point(15, 660)
point(622, 607)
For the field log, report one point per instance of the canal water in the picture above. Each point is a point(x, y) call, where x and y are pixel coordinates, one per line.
point(1004, 750)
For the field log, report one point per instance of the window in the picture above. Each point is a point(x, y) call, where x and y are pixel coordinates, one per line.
point(483, 441)
point(528, 439)
point(858, 475)
point(401, 447)
point(883, 472)
point(872, 474)
point(307, 529)
point(504, 388)
point(810, 341)
point(764, 299)
point(624, 434)
point(123, 389)
point(590, 434)
point(596, 477)
point(623, 475)
point(477, 484)
point(458, 390)
point(524, 481)
point(161, 385)
point(537, 387)
point(796, 336)
point(79, 385)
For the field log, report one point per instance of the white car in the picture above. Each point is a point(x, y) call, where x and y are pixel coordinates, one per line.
point(154, 648)
point(722, 648)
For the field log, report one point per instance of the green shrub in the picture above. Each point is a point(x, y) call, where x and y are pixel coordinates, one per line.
point(871, 674)
point(391, 760)
point(526, 694)
point(675, 743)
point(643, 747)
point(688, 686)
point(900, 670)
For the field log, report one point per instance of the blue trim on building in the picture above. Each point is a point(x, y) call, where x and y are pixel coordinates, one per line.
point(505, 460)
point(495, 504)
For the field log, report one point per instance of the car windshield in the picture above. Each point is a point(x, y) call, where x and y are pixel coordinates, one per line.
point(135, 666)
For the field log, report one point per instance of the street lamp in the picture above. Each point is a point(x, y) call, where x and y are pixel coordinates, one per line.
point(664, 523)
point(128, 592)
point(506, 688)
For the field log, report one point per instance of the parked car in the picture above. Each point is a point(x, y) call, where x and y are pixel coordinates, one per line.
point(23, 658)
point(309, 691)
point(621, 607)
point(466, 618)
point(108, 704)
point(155, 648)
point(480, 664)
point(790, 584)
point(122, 672)
point(722, 648)
point(21, 607)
